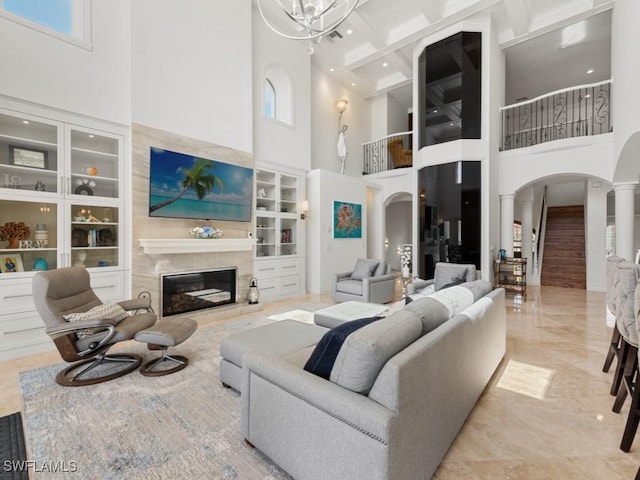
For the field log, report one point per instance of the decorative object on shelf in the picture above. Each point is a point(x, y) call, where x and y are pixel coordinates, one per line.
point(41, 235)
point(84, 186)
point(206, 232)
point(262, 193)
point(10, 264)
point(79, 238)
point(81, 256)
point(405, 260)
point(40, 186)
point(254, 294)
point(310, 19)
point(90, 170)
point(40, 264)
point(342, 130)
point(347, 220)
point(14, 232)
point(502, 255)
point(103, 263)
point(14, 182)
point(24, 157)
point(106, 215)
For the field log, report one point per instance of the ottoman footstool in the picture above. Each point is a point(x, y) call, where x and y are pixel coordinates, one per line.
point(277, 339)
point(162, 335)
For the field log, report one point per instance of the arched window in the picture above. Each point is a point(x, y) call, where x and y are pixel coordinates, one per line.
point(269, 99)
point(278, 95)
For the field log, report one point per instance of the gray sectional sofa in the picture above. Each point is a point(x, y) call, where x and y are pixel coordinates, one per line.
point(399, 392)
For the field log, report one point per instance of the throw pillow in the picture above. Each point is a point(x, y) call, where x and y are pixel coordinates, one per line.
point(364, 269)
point(366, 350)
point(381, 269)
point(431, 312)
point(424, 292)
point(112, 312)
point(324, 355)
point(453, 283)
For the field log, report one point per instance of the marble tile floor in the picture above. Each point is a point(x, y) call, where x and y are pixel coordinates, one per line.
point(546, 413)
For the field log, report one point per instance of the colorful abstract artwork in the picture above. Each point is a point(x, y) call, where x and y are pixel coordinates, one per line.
point(347, 220)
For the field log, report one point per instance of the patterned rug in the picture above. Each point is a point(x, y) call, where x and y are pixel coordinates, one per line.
point(179, 426)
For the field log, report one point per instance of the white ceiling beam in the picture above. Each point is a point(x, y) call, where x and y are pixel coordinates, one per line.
point(519, 15)
point(402, 63)
point(364, 29)
point(433, 10)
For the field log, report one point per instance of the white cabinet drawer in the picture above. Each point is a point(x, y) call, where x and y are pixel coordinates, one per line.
point(16, 295)
point(265, 269)
point(108, 285)
point(287, 285)
point(267, 286)
point(287, 267)
point(22, 330)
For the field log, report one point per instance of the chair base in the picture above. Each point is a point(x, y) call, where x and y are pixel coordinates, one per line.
point(614, 350)
point(148, 368)
point(70, 376)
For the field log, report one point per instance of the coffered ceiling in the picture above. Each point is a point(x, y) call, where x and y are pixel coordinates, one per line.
point(537, 36)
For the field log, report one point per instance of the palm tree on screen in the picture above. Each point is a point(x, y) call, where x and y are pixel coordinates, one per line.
point(196, 178)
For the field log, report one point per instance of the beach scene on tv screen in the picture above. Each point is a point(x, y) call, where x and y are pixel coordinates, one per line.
point(186, 186)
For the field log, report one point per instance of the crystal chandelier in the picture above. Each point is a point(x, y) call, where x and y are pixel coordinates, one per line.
point(307, 20)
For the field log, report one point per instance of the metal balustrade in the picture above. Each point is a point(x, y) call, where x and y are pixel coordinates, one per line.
point(378, 158)
point(573, 112)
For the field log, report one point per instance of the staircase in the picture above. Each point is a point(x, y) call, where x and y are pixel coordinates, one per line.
point(564, 263)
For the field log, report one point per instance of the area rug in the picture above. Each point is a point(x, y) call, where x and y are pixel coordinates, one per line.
point(13, 454)
point(179, 426)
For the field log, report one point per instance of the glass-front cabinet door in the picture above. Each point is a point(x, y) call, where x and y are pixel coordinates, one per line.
point(95, 235)
point(29, 237)
point(29, 163)
point(94, 168)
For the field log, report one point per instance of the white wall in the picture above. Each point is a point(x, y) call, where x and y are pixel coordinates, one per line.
point(397, 117)
point(398, 226)
point(45, 70)
point(273, 141)
point(325, 92)
point(378, 107)
point(192, 69)
point(566, 194)
point(328, 255)
point(625, 70)
point(595, 219)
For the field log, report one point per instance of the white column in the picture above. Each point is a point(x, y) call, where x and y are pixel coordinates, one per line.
point(506, 222)
point(526, 211)
point(624, 194)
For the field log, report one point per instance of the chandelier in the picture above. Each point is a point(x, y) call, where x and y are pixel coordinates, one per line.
point(307, 20)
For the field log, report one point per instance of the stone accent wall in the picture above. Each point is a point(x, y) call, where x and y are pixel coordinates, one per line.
point(146, 269)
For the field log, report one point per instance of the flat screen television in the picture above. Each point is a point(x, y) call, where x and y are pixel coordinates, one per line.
point(185, 186)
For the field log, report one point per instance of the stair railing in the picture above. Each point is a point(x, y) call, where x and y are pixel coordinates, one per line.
point(542, 227)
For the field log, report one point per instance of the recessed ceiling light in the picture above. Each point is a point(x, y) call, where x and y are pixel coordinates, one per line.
point(332, 69)
point(385, 64)
point(349, 32)
point(435, 110)
point(353, 84)
point(451, 124)
point(26, 122)
point(590, 71)
point(90, 135)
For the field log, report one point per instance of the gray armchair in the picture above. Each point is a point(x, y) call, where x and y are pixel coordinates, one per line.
point(369, 281)
point(85, 342)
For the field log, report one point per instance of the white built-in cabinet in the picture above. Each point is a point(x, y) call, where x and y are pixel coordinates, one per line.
point(279, 260)
point(64, 178)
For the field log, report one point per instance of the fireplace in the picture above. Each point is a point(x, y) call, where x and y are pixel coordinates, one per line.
point(189, 291)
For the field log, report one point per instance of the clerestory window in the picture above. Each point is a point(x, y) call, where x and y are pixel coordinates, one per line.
point(68, 20)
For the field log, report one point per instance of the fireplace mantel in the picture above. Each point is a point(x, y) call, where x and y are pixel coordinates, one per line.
point(158, 246)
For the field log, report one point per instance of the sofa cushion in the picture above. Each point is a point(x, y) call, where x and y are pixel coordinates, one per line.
point(324, 355)
point(424, 292)
point(364, 268)
point(366, 350)
point(440, 306)
point(353, 287)
point(479, 288)
point(430, 311)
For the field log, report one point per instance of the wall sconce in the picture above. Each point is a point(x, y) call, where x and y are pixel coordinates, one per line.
point(304, 209)
point(341, 105)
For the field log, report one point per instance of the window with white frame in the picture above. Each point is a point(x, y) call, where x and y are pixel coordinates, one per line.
point(278, 95)
point(67, 20)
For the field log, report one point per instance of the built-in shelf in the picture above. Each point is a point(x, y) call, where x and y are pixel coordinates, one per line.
point(158, 246)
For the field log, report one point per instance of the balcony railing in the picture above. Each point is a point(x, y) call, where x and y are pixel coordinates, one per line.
point(573, 112)
point(392, 151)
